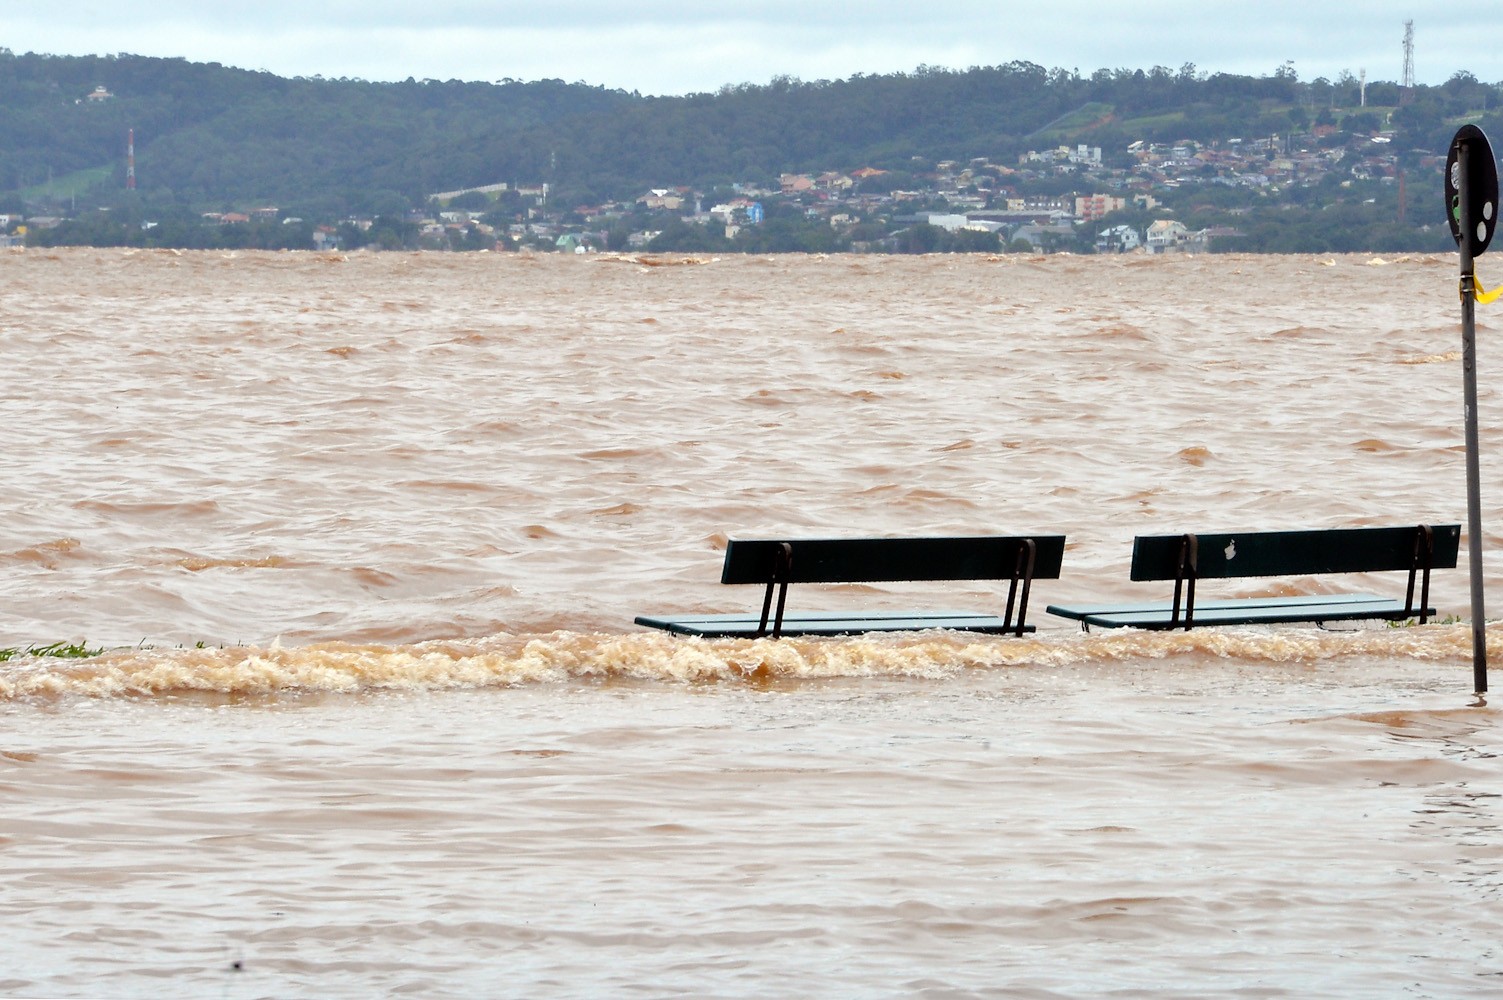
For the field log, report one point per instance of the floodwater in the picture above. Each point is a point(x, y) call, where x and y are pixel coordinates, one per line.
point(364, 537)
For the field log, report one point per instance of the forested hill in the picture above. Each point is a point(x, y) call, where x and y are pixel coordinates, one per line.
point(209, 135)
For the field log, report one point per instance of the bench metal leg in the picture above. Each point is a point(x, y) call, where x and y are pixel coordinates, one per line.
point(1189, 555)
point(1424, 555)
point(781, 570)
point(1023, 569)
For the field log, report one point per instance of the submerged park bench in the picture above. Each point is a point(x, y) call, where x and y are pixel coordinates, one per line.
point(776, 563)
point(1188, 558)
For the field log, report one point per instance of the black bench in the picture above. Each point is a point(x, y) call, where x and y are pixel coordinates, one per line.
point(776, 563)
point(1188, 558)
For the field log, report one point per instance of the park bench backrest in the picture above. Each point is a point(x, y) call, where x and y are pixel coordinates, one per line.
point(884, 560)
point(1191, 557)
point(779, 562)
point(1294, 553)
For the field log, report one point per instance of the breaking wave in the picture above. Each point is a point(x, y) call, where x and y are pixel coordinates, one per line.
point(563, 657)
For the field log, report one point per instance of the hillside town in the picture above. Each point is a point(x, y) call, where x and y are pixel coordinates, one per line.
point(1049, 200)
point(977, 196)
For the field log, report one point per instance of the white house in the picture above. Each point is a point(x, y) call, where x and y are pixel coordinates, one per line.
point(1166, 235)
point(1118, 239)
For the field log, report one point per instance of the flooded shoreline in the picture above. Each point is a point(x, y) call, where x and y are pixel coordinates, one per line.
point(363, 538)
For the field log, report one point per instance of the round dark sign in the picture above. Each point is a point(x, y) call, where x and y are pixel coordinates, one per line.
point(1481, 213)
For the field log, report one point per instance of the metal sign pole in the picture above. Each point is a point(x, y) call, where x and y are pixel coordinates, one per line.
point(1469, 378)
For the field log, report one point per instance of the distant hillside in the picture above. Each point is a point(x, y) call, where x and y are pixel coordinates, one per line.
point(211, 135)
point(215, 137)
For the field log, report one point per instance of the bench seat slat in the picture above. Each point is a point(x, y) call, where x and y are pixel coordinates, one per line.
point(1244, 611)
point(831, 623)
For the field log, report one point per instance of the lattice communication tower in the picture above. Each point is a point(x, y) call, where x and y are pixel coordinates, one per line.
point(1408, 84)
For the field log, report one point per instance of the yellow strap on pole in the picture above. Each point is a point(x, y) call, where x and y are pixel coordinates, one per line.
point(1484, 296)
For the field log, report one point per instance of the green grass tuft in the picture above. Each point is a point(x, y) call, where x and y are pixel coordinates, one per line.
point(66, 650)
point(1412, 622)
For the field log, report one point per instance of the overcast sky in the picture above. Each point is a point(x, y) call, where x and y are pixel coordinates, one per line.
point(688, 46)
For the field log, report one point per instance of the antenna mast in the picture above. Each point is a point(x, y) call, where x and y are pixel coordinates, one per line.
point(1407, 93)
